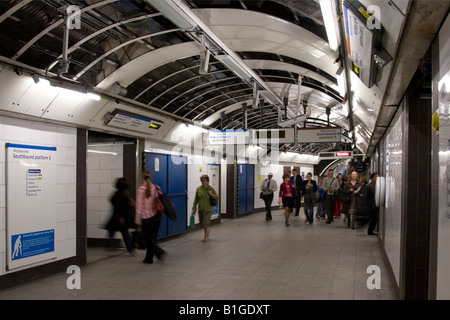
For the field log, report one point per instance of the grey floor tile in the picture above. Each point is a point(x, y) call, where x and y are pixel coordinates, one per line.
point(245, 259)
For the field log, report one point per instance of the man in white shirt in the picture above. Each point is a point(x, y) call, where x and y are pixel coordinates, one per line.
point(330, 185)
point(268, 187)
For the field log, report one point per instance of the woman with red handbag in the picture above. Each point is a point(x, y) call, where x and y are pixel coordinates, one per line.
point(286, 194)
point(148, 217)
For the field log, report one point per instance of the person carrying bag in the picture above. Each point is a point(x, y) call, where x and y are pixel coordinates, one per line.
point(147, 216)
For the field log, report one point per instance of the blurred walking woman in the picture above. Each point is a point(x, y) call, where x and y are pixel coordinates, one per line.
point(147, 217)
point(203, 196)
point(286, 195)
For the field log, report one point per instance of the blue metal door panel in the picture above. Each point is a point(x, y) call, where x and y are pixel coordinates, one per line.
point(177, 190)
point(171, 177)
point(158, 166)
point(250, 187)
point(242, 188)
point(246, 188)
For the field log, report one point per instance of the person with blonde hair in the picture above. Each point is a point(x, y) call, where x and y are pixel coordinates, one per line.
point(203, 196)
point(148, 217)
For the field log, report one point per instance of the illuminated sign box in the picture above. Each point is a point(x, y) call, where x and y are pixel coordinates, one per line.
point(336, 155)
point(362, 43)
point(131, 121)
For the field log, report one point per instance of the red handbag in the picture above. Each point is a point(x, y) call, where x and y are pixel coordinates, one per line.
point(158, 206)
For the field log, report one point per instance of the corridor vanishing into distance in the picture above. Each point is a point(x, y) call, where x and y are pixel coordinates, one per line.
point(245, 259)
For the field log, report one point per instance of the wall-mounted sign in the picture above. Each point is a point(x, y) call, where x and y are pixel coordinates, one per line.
point(335, 155)
point(224, 137)
point(30, 204)
point(331, 134)
point(131, 121)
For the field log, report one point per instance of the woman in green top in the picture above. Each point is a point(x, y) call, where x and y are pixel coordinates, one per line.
point(203, 195)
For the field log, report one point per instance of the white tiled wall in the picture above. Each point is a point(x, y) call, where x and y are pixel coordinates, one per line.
point(104, 166)
point(65, 140)
point(394, 188)
point(443, 239)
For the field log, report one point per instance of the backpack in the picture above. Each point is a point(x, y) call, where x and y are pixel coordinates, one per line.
point(169, 207)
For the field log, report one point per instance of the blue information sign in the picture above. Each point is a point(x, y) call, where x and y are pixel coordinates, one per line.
point(31, 244)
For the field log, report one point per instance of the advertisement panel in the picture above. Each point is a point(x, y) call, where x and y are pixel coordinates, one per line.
point(30, 204)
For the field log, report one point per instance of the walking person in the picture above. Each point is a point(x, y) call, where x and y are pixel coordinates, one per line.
point(123, 214)
point(321, 210)
point(369, 199)
point(147, 217)
point(297, 183)
point(309, 192)
point(353, 189)
point(331, 185)
point(286, 195)
point(202, 199)
point(268, 187)
point(337, 202)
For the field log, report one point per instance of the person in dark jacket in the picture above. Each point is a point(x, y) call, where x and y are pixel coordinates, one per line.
point(123, 213)
point(309, 192)
point(296, 181)
point(369, 199)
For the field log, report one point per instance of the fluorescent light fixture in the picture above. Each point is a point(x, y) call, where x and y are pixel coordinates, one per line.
point(197, 127)
point(93, 96)
point(328, 18)
point(293, 121)
point(171, 11)
point(76, 89)
point(103, 152)
point(231, 64)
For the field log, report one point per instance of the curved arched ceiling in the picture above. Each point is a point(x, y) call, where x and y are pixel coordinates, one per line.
point(283, 42)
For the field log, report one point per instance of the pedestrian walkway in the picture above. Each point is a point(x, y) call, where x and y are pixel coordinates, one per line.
point(245, 259)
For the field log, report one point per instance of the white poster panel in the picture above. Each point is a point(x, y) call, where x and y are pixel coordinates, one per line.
point(213, 173)
point(30, 204)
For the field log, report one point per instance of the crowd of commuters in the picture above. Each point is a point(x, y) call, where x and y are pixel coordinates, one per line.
point(347, 194)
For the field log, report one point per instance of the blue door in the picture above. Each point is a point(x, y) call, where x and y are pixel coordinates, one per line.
point(171, 177)
point(246, 188)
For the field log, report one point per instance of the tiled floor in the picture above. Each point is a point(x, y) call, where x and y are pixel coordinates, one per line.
point(245, 259)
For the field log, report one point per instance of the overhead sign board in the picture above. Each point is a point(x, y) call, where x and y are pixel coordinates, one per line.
point(335, 155)
point(308, 135)
point(361, 41)
point(131, 121)
point(265, 136)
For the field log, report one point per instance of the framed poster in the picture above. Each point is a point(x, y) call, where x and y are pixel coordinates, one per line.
point(213, 173)
point(30, 204)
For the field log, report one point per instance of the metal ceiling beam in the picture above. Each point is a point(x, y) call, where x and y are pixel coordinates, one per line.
point(120, 46)
point(77, 45)
point(182, 15)
point(14, 9)
point(57, 24)
point(198, 87)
